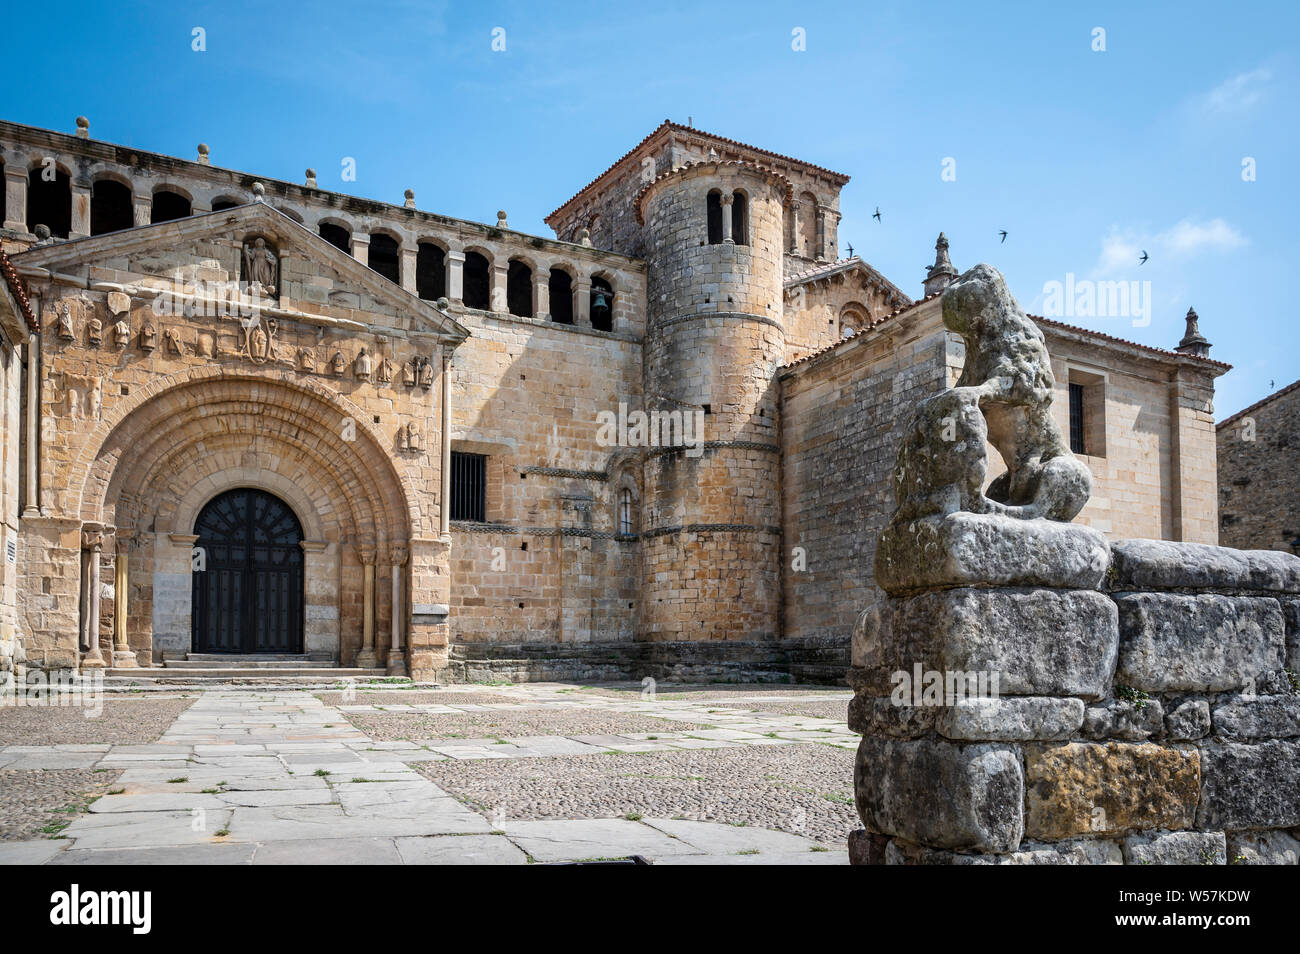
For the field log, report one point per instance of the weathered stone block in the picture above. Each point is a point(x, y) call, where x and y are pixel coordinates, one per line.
point(1011, 719)
point(1083, 788)
point(1263, 717)
point(1124, 719)
point(941, 794)
point(1162, 565)
point(1191, 720)
point(1291, 610)
point(866, 848)
point(1038, 642)
point(1176, 848)
point(1250, 786)
point(872, 715)
point(1262, 848)
point(963, 548)
point(1172, 642)
point(1083, 851)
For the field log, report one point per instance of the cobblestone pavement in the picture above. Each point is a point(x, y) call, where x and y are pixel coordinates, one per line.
point(35, 803)
point(280, 776)
point(120, 721)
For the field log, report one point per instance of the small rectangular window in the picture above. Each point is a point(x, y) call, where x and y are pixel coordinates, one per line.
point(468, 486)
point(1076, 419)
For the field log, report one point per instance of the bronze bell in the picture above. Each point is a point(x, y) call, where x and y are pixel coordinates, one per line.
point(600, 302)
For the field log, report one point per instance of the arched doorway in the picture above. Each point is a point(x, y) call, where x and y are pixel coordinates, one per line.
point(248, 575)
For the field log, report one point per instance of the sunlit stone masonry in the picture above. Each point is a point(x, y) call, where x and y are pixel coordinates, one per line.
point(243, 416)
point(1031, 693)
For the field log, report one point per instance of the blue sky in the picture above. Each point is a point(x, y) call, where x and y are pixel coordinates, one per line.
point(1086, 158)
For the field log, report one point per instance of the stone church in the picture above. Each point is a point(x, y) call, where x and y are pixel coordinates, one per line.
point(247, 418)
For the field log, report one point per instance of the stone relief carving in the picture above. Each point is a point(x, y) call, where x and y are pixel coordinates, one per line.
point(205, 345)
point(148, 337)
point(261, 267)
point(172, 343)
point(95, 330)
point(306, 360)
point(408, 438)
point(426, 373)
point(121, 333)
point(408, 373)
point(66, 332)
point(257, 340)
point(82, 396)
point(384, 371)
point(338, 363)
point(362, 366)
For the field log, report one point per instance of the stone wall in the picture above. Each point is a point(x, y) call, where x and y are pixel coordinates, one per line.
point(1259, 482)
point(1152, 717)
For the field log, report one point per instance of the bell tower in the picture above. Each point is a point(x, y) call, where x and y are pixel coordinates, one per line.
point(714, 341)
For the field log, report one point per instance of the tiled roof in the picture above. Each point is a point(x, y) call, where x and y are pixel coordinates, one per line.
point(19, 291)
point(1037, 319)
point(1132, 344)
point(843, 265)
point(738, 163)
point(669, 124)
point(1258, 404)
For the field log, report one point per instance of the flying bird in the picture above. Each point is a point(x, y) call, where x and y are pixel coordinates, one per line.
point(877, 215)
point(1003, 233)
point(1143, 260)
point(850, 250)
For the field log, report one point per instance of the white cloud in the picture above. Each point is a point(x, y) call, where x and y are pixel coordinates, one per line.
point(1238, 93)
point(1122, 248)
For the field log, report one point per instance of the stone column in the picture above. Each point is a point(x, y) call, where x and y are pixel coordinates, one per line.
point(408, 270)
point(726, 201)
point(80, 227)
point(396, 653)
point(367, 658)
point(444, 510)
point(361, 247)
point(141, 208)
point(821, 232)
point(92, 545)
point(456, 276)
point(498, 299)
point(582, 302)
point(30, 506)
point(15, 199)
point(542, 295)
point(123, 658)
point(794, 228)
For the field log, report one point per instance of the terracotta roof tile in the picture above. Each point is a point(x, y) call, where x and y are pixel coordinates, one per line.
point(1132, 344)
point(669, 124)
point(19, 291)
point(844, 264)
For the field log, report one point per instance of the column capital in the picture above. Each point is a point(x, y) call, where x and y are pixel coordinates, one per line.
point(397, 554)
point(366, 554)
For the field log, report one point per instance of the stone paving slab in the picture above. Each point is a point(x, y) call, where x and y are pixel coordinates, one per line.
point(461, 850)
point(186, 855)
point(334, 851)
point(29, 852)
point(586, 839)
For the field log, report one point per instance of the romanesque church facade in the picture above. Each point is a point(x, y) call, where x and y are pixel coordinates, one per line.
point(246, 417)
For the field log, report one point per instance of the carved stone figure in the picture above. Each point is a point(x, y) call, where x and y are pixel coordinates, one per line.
point(95, 330)
point(205, 345)
point(306, 360)
point(260, 265)
point(947, 528)
point(121, 333)
point(338, 363)
point(259, 339)
point(408, 374)
point(410, 437)
point(172, 342)
point(426, 373)
point(361, 367)
point(148, 337)
point(384, 371)
point(65, 322)
point(81, 397)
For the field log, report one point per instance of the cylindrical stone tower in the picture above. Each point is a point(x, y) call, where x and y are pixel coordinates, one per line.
point(714, 341)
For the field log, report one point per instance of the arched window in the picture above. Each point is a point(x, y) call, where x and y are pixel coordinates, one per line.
point(626, 523)
point(561, 288)
point(740, 218)
point(714, 204)
point(430, 271)
point(336, 235)
point(476, 293)
point(519, 289)
point(49, 201)
point(807, 236)
point(383, 257)
point(853, 318)
point(168, 205)
point(602, 305)
point(224, 202)
point(110, 207)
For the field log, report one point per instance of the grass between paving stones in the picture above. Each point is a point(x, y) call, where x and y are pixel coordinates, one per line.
point(800, 788)
point(502, 724)
point(43, 802)
point(129, 721)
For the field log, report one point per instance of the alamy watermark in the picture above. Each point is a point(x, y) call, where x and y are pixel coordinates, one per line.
point(626, 428)
point(1098, 299)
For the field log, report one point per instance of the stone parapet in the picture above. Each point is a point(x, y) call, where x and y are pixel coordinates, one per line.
point(1155, 722)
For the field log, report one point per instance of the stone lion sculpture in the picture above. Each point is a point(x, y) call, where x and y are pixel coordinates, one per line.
point(1004, 397)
